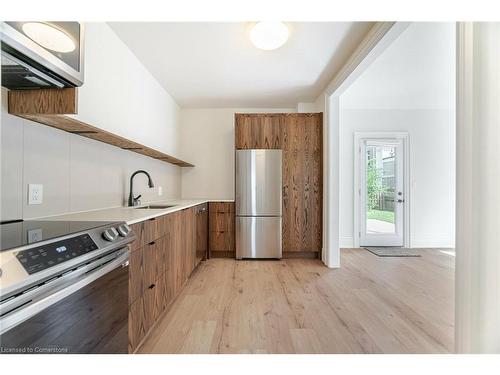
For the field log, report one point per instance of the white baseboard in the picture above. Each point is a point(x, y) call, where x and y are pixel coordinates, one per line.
point(346, 242)
point(432, 242)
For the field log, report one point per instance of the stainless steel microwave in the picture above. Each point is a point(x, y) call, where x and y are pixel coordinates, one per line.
point(42, 54)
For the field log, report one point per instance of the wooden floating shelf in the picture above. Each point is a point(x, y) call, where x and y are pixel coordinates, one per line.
point(51, 106)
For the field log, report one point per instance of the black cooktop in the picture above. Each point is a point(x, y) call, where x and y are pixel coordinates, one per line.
point(20, 233)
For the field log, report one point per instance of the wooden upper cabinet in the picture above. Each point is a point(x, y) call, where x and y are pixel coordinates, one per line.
point(258, 131)
point(303, 132)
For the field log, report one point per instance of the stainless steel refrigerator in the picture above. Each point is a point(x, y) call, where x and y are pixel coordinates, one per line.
point(258, 204)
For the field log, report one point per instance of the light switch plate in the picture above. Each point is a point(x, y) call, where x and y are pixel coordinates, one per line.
point(35, 194)
point(160, 191)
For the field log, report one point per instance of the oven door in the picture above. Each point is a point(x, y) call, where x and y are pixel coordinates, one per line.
point(82, 311)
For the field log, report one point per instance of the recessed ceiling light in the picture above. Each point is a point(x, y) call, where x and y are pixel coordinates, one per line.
point(49, 37)
point(269, 35)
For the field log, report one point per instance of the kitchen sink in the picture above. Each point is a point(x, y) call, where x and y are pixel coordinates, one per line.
point(156, 206)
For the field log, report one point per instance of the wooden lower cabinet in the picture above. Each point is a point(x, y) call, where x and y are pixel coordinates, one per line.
point(159, 268)
point(221, 229)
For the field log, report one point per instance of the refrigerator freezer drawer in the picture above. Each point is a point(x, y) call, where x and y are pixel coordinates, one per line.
point(258, 182)
point(258, 237)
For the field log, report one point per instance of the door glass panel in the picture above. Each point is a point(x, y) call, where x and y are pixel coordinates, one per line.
point(380, 189)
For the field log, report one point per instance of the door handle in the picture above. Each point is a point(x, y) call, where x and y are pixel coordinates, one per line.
point(401, 200)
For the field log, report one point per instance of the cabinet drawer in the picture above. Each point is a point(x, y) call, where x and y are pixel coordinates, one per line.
point(153, 261)
point(221, 241)
point(222, 222)
point(220, 207)
point(151, 230)
point(138, 230)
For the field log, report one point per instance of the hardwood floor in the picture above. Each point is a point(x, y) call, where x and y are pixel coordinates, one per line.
point(369, 305)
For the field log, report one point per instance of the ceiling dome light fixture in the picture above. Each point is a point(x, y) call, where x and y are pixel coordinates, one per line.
point(268, 35)
point(49, 36)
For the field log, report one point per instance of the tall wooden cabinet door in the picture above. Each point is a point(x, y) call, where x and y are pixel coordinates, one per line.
point(302, 183)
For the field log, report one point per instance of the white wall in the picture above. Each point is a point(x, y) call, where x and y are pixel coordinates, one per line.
point(121, 96)
point(207, 141)
point(432, 170)
point(118, 95)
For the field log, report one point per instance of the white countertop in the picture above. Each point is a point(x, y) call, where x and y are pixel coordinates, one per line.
point(132, 215)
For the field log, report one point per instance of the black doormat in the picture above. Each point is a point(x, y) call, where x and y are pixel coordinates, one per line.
point(387, 251)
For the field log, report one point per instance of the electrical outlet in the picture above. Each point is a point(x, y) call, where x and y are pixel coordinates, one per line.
point(35, 235)
point(35, 194)
point(160, 191)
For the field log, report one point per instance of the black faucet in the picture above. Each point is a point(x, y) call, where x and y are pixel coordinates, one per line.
point(132, 201)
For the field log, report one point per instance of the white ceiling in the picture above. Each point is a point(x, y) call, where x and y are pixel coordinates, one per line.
point(215, 65)
point(416, 71)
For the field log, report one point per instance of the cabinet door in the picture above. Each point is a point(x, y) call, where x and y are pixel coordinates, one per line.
point(261, 131)
point(136, 323)
point(302, 183)
point(177, 254)
point(189, 237)
point(136, 271)
point(201, 232)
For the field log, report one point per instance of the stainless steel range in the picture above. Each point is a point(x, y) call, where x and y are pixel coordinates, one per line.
point(64, 287)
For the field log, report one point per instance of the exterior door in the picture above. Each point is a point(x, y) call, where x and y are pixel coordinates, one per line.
point(381, 193)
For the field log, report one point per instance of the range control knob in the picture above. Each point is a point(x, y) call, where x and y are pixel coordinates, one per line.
point(110, 234)
point(124, 230)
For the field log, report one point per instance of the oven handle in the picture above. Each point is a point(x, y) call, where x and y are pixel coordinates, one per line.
point(10, 320)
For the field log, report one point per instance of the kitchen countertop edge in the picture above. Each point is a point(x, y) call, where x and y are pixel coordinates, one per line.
point(132, 215)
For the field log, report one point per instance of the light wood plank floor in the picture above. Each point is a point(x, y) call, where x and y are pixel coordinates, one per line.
point(369, 305)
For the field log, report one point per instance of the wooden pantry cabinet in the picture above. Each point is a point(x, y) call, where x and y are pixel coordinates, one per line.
point(162, 258)
point(300, 137)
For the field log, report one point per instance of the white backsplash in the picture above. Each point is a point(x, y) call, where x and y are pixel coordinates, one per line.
point(77, 173)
